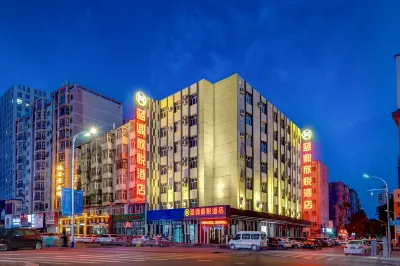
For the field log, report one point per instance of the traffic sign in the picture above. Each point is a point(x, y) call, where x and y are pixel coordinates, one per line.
point(66, 208)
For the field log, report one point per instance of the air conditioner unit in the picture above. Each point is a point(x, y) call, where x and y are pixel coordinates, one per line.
point(184, 161)
point(242, 156)
point(241, 90)
point(242, 112)
point(170, 108)
point(170, 128)
point(259, 104)
point(170, 166)
point(170, 148)
point(185, 99)
point(185, 180)
point(241, 134)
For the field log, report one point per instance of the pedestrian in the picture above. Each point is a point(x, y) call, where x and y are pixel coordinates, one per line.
point(64, 239)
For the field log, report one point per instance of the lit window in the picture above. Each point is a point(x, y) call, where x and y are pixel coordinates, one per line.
point(19, 101)
point(263, 147)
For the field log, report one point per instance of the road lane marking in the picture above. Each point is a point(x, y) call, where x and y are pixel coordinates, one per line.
point(331, 258)
point(204, 260)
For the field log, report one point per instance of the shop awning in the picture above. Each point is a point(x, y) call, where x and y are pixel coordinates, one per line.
point(267, 217)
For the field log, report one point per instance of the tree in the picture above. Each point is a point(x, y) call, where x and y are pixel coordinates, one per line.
point(358, 224)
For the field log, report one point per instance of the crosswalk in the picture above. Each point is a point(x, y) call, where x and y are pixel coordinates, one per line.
point(328, 257)
point(103, 258)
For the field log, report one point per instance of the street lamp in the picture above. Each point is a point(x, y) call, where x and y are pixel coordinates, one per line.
point(86, 134)
point(387, 208)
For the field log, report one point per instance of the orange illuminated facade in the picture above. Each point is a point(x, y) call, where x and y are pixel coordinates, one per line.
point(139, 191)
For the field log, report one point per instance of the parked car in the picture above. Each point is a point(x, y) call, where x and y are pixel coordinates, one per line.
point(162, 241)
point(297, 244)
point(357, 247)
point(335, 241)
point(312, 245)
point(79, 238)
point(284, 244)
point(20, 238)
point(254, 240)
point(106, 239)
point(89, 239)
point(273, 242)
point(325, 241)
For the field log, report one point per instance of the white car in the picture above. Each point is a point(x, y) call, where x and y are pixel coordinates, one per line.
point(297, 244)
point(106, 239)
point(283, 243)
point(89, 239)
point(357, 247)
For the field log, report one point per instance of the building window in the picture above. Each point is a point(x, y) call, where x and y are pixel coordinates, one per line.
point(193, 142)
point(177, 166)
point(176, 126)
point(249, 98)
point(193, 183)
point(164, 188)
point(164, 151)
point(19, 101)
point(264, 168)
point(61, 157)
point(177, 204)
point(193, 99)
point(163, 169)
point(164, 112)
point(163, 132)
point(176, 146)
point(249, 119)
point(163, 206)
point(263, 108)
point(249, 183)
point(193, 162)
point(177, 186)
point(249, 162)
point(249, 140)
point(263, 147)
point(193, 120)
point(193, 203)
point(263, 127)
point(249, 204)
point(264, 187)
point(177, 106)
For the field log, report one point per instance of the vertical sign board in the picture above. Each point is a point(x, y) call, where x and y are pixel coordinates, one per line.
point(66, 208)
point(306, 170)
point(141, 146)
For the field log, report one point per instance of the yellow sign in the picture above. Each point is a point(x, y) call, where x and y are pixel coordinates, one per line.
point(187, 212)
point(141, 98)
point(306, 134)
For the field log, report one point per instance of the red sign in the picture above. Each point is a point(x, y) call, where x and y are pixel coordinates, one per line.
point(140, 160)
point(306, 174)
point(214, 222)
point(210, 211)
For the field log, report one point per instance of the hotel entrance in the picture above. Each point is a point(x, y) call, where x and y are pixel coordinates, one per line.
point(214, 231)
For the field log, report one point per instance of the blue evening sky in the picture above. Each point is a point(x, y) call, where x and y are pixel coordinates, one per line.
point(325, 64)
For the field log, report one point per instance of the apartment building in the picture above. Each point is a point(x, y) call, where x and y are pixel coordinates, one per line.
point(15, 103)
point(319, 214)
point(396, 114)
point(75, 109)
point(213, 151)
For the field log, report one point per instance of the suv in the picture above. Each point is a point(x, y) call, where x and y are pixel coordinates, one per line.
point(20, 238)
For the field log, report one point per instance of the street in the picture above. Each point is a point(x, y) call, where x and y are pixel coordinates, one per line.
point(184, 256)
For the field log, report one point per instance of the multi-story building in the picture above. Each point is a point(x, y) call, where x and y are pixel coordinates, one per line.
point(214, 151)
point(75, 109)
point(319, 216)
point(396, 114)
point(15, 102)
point(382, 197)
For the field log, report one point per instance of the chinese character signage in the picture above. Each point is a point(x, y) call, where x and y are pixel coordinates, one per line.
point(211, 211)
point(306, 169)
point(59, 179)
point(140, 160)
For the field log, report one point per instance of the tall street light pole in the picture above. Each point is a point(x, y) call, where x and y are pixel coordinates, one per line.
point(387, 207)
point(86, 134)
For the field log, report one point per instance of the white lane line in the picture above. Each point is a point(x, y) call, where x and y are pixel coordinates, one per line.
point(331, 258)
point(307, 258)
point(204, 260)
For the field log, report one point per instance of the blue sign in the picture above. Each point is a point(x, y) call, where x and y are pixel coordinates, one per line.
point(66, 206)
point(66, 202)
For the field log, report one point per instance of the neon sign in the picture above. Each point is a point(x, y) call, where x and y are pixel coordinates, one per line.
point(141, 98)
point(216, 222)
point(60, 180)
point(140, 156)
point(306, 169)
point(205, 211)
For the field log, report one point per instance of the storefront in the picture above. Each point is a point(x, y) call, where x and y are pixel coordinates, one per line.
point(128, 224)
point(87, 225)
point(217, 224)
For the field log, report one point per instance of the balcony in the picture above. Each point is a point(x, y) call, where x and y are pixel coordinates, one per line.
point(39, 188)
point(38, 178)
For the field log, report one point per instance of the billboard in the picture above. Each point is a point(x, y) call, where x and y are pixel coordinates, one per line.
point(66, 206)
point(306, 149)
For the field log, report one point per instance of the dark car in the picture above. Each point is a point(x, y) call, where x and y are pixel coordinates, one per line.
point(20, 238)
point(315, 244)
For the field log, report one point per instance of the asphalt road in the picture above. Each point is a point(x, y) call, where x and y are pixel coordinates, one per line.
point(128, 256)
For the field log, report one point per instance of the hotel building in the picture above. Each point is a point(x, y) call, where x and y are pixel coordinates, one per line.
point(220, 159)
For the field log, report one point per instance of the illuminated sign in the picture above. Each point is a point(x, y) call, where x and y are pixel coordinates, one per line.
point(211, 211)
point(141, 99)
point(140, 161)
point(307, 169)
point(306, 134)
point(59, 180)
point(214, 222)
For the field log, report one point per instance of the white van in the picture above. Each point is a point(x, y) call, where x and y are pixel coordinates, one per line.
point(255, 240)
